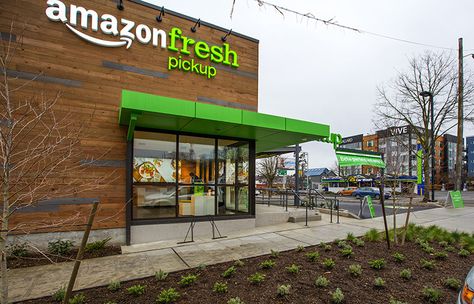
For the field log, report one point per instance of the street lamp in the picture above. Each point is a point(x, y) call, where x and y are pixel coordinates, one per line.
point(430, 95)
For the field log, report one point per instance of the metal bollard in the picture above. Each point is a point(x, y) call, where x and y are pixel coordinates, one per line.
point(337, 202)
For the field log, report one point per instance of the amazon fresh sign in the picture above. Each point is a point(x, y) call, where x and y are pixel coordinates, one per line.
point(125, 32)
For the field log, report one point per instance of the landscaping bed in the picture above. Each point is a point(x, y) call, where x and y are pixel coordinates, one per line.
point(301, 268)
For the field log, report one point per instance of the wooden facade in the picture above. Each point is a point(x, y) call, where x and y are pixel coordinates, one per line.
point(90, 79)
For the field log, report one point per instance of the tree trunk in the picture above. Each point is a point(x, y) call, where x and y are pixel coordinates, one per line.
point(395, 241)
point(3, 245)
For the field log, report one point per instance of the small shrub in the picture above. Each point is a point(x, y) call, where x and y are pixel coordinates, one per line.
point(347, 252)
point(432, 295)
point(229, 272)
point(441, 255)
point(267, 264)
point(355, 270)
point(359, 242)
point(275, 254)
point(18, 250)
point(97, 245)
point(136, 290)
point(372, 235)
point(201, 267)
point(350, 237)
point(427, 264)
point(464, 253)
point(114, 286)
point(337, 296)
point(236, 300)
point(58, 295)
point(60, 247)
point(377, 264)
point(256, 278)
point(426, 247)
point(110, 302)
point(239, 263)
point(321, 281)
point(453, 284)
point(342, 244)
point(313, 256)
point(293, 268)
point(161, 275)
point(329, 263)
point(443, 244)
point(187, 280)
point(379, 282)
point(405, 274)
point(324, 246)
point(167, 296)
point(399, 257)
point(283, 290)
point(300, 248)
point(450, 249)
point(395, 301)
point(220, 287)
point(79, 298)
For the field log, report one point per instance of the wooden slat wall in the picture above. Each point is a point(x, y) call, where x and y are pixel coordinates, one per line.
point(50, 48)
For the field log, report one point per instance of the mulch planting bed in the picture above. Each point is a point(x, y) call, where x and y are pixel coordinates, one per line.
point(37, 259)
point(357, 290)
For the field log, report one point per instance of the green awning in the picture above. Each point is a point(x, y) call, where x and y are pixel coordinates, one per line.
point(165, 113)
point(347, 158)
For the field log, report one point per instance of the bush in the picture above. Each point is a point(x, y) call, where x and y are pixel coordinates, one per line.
point(398, 257)
point(236, 300)
point(136, 290)
point(313, 256)
point(275, 254)
point(58, 295)
point(432, 295)
point(293, 268)
point(110, 302)
point(161, 275)
point(187, 280)
point(347, 252)
point(256, 278)
point(201, 267)
point(377, 264)
point(450, 248)
point(60, 247)
point(79, 298)
point(220, 287)
point(300, 248)
point(329, 263)
point(114, 286)
point(372, 235)
point(441, 255)
point(18, 250)
point(324, 246)
point(464, 253)
point(283, 290)
point(337, 296)
point(426, 247)
point(355, 270)
point(167, 296)
point(427, 264)
point(229, 272)
point(350, 237)
point(359, 242)
point(239, 263)
point(379, 282)
point(321, 281)
point(405, 274)
point(395, 301)
point(97, 245)
point(453, 284)
point(443, 244)
point(342, 244)
point(267, 264)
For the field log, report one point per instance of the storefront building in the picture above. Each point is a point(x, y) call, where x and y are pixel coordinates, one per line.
point(173, 102)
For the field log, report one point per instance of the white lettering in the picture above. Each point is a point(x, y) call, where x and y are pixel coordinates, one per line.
point(56, 11)
point(84, 15)
point(159, 34)
point(143, 29)
point(127, 29)
point(109, 25)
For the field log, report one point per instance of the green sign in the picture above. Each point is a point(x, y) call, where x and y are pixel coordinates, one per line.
point(419, 166)
point(456, 199)
point(281, 172)
point(371, 206)
point(348, 159)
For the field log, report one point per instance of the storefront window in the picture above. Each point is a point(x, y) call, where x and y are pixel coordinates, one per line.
point(196, 156)
point(153, 201)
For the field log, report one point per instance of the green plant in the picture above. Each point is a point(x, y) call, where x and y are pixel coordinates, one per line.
point(372, 235)
point(79, 298)
point(350, 237)
point(300, 248)
point(110, 302)
point(201, 267)
point(97, 245)
point(114, 286)
point(167, 296)
point(239, 263)
point(426, 247)
point(58, 295)
point(229, 272)
point(293, 268)
point(329, 263)
point(464, 253)
point(236, 300)
point(441, 255)
point(359, 242)
point(313, 256)
point(379, 282)
point(321, 281)
point(161, 275)
point(60, 247)
point(395, 301)
point(267, 264)
point(427, 264)
point(347, 252)
point(337, 296)
point(377, 264)
point(443, 244)
point(220, 287)
point(256, 278)
point(275, 254)
point(136, 290)
point(324, 246)
point(405, 274)
point(342, 244)
point(355, 270)
point(18, 250)
point(399, 257)
point(450, 248)
point(187, 280)
point(432, 295)
point(283, 290)
point(453, 283)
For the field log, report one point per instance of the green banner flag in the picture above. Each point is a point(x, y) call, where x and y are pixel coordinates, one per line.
point(456, 199)
point(368, 198)
point(352, 158)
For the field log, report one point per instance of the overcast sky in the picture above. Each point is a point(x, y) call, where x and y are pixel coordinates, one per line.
point(324, 74)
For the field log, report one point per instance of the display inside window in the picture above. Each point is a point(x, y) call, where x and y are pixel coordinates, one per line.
point(154, 170)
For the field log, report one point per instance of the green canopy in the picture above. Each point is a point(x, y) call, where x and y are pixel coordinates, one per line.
point(347, 158)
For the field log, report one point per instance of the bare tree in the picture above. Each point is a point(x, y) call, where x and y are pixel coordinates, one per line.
point(400, 100)
point(268, 169)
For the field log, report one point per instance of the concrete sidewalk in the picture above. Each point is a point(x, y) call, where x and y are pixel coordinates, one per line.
point(34, 282)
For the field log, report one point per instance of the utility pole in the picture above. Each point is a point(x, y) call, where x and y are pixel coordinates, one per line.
point(460, 146)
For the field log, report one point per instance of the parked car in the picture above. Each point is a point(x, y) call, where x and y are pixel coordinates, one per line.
point(347, 191)
point(466, 295)
point(372, 191)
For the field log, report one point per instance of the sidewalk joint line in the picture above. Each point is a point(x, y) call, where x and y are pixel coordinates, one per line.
point(185, 263)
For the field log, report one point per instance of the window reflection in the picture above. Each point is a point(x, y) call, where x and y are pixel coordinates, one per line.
point(196, 156)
